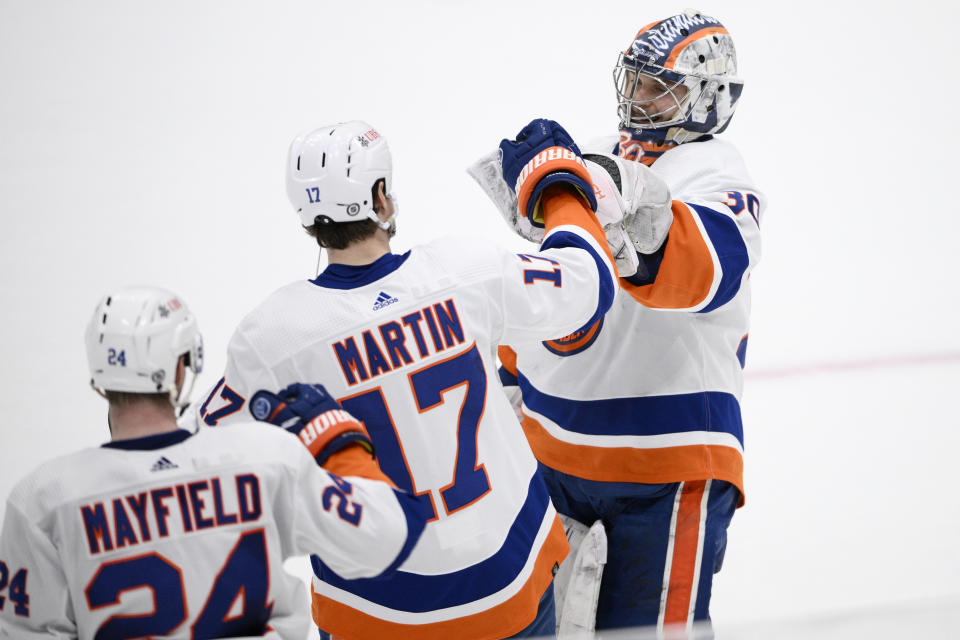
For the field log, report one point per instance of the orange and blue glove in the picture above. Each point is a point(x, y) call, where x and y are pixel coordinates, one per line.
point(542, 154)
point(313, 415)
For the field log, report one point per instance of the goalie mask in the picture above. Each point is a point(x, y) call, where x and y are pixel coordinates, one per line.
point(331, 173)
point(677, 82)
point(135, 339)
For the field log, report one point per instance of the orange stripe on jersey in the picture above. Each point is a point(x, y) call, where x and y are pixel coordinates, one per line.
point(686, 543)
point(575, 340)
point(561, 207)
point(686, 271)
point(500, 621)
point(678, 48)
point(356, 461)
point(508, 358)
point(551, 159)
point(629, 464)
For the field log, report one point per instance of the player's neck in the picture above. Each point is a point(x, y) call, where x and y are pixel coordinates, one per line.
point(363, 252)
point(141, 419)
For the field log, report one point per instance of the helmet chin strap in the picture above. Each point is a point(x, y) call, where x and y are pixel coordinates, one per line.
point(98, 390)
point(390, 224)
point(181, 399)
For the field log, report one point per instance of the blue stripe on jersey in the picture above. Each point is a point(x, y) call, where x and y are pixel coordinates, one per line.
point(714, 411)
point(742, 352)
point(649, 266)
point(416, 510)
point(507, 379)
point(607, 285)
point(345, 276)
point(731, 251)
point(418, 593)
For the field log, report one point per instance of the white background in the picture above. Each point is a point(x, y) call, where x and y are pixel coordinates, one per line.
point(144, 142)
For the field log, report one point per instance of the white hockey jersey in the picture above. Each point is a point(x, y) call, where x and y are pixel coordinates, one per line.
point(183, 535)
point(650, 393)
point(407, 344)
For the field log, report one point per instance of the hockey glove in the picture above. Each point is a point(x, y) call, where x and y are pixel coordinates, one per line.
point(486, 171)
point(314, 416)
point(543, 154)
point(641, 195)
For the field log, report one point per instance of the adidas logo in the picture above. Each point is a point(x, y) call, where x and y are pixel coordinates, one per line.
point(383, 300)
point(163, 464)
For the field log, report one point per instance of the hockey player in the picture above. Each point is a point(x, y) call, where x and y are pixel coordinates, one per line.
point(407, 343)
point(164, 533)
point(636, 420)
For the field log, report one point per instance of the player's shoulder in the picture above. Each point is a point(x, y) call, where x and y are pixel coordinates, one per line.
point(694, 169)
point(283, 321)
point(600, 144)
point(461, 257)
point(54, 481)
point(285, 297)
point(270, 451)
point(258, 439)
point(457, 246)
point(273, 450)
point(714, 151)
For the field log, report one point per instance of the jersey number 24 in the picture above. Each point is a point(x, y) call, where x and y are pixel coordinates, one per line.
point(244, 573)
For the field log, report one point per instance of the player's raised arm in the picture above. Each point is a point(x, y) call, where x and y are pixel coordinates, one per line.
point(693, 252)
point(685, 254)
point(571, 281)
point(713, 244)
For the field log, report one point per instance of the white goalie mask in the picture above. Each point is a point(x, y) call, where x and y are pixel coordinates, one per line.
point(331, 173)
point(675, 83)
point(135, 339)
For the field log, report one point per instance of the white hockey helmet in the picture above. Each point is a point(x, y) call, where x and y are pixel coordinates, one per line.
point(135, 339)
point(331, 172)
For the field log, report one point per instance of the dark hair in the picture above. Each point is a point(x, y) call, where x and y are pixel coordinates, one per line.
point(122, 399)
point(340, 235)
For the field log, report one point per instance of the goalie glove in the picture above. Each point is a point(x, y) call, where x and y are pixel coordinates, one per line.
point(542, 154)
point(642, 197)
point(311, 414)
point(487, 173)
point(610, 216)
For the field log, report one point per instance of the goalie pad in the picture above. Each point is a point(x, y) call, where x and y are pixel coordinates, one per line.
point(576, 586)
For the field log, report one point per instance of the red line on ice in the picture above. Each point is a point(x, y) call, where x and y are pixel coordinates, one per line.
point(853, 365)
